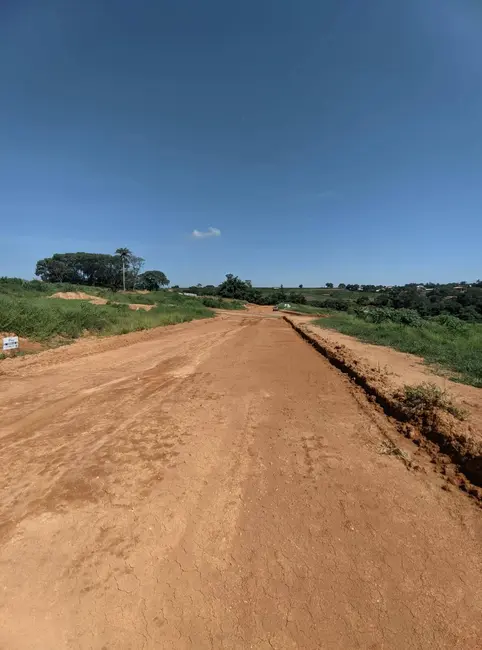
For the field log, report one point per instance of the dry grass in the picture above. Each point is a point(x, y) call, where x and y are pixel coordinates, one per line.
point(389, 448)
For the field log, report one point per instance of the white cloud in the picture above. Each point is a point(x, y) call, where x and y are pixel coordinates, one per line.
point(210, 232)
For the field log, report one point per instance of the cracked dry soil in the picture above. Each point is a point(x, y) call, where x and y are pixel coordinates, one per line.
point(218, 485)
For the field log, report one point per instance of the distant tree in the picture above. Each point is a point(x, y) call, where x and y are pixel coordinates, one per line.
point(209, 290)
point(153, 280)
point(135, 265)
point(297, 298)
point(94, 269)
point(300, 286)
point(369, 287)
point(233, 287)
point(329, 285)
point(342, 285)
point(352, 287)
point(363, 300)
point(124, 254)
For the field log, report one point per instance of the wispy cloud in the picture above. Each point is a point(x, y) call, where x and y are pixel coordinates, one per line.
point(210, 232)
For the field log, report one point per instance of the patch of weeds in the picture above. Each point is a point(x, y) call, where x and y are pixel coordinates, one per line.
point(389, 448)
point(425, 398)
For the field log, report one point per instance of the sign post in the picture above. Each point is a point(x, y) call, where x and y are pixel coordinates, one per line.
point(10, 343)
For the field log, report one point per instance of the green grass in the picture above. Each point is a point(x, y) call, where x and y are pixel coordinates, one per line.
point(303, 309)
point(42, 318)
point(320, 293)
point(219, 303)
point(18, 288)
point(453, 346)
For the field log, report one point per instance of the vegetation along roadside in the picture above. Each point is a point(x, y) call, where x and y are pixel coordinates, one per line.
point(445, 341)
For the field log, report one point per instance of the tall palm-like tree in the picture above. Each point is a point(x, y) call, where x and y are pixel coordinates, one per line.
point(124, 254)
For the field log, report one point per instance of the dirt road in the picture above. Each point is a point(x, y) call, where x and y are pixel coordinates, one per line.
point(218, 485)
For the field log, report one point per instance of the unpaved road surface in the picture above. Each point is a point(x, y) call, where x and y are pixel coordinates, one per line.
point(218, 485)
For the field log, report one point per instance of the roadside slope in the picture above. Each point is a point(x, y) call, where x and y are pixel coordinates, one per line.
point(220, 485)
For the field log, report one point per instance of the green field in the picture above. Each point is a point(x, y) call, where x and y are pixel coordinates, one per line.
point(27, 311)
point(448, 343)
point(302, 309)
point(320, 293)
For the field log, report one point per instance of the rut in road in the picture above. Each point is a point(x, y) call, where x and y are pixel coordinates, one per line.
point(219, 485)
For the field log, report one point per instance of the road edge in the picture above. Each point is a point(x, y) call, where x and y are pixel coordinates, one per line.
point(442, 431)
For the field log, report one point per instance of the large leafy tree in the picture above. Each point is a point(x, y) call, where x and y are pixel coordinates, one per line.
point(153, 280)
point(95, 269)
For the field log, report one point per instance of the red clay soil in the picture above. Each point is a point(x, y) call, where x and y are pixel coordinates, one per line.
point(136, 307)
point(457, 442)
point(219, 485)
point(24, 345)
point(97, 300)
point(79, 295)
point(401, 369)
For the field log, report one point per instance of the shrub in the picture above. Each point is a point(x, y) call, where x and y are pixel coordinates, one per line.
point(424, 399)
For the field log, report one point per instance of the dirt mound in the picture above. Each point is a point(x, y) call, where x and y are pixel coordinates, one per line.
point(97, 300)
point(79, 295)
point(136, 307)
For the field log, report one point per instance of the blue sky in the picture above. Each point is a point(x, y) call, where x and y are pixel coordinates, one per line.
point(321, 140)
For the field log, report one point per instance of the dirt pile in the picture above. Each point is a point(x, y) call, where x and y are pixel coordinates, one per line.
point(97, 300)
point(79, 295)
point(136, 307)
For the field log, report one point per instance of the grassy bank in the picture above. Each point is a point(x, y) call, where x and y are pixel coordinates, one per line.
point(320, 293)
point(303, 309)
point(219, 303)
point(42, 318)
point(453, 345)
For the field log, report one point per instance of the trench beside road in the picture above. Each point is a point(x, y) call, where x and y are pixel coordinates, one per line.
point(218, 485)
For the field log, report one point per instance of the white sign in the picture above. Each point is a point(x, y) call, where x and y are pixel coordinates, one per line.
point(10, 343)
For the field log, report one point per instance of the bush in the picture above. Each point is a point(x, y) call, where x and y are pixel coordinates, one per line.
point(424, 399)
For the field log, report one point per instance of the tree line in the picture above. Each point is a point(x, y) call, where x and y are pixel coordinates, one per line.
point(461, 300)
point(123, 270)
point(237, 289)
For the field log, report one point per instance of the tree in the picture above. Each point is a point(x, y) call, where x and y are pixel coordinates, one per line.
point(342, 285)
point(329, 285)
point(300, 286)
point(153, 280)
point(94, 269)
point(124, 254)
point(233, 287)
point(209, 290)
point(134, 269)
point(352, 287)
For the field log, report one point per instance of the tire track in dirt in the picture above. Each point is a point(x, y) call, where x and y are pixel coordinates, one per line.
point(228, 494)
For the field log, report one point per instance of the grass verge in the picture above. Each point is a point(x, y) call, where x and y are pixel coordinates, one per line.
point(219, 303)
point(454, 349)
point(303, 309)
point(43, 318)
